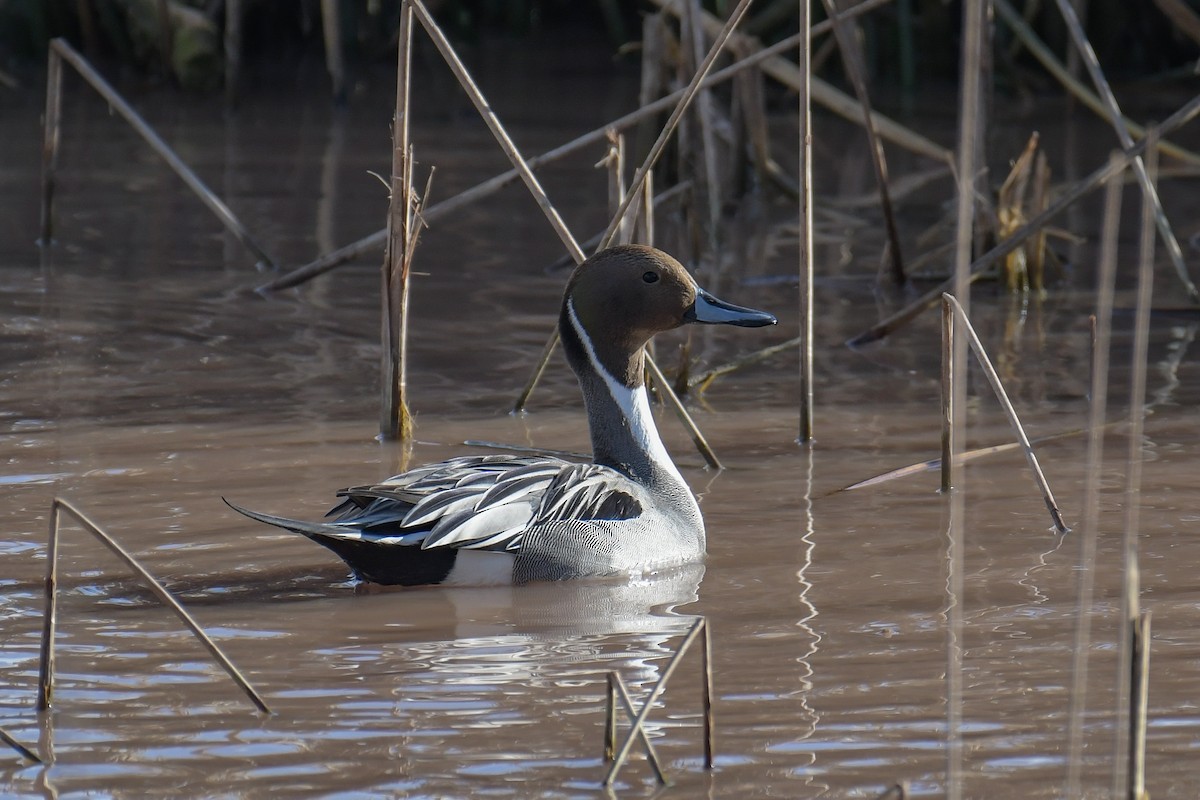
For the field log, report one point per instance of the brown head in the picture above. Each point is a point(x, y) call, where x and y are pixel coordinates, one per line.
point(621, 297)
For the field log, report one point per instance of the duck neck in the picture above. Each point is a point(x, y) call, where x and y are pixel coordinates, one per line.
point(620, 420)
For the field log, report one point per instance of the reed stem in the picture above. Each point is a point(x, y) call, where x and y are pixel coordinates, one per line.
point(1131, 586)
point(19, 748)
point(1118, 122)
point(49, 620)
point(693, 87)
point(148, 134)
point(617, 690)
point(50, 139)
point(1001, 395)
point(1090, 532)
point(1139, 689)
point(396, 420)
point(804, 92)
point(640, 720)
point(949, 374)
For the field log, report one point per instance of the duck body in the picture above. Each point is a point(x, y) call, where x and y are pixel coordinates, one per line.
point(514, 519)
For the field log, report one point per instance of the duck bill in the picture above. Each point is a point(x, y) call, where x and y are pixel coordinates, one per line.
point(712, 311)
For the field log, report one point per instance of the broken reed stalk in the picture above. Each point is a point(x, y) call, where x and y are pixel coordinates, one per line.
point(698, 629)
point(962, 458)
point(395, 419)
point(846, 34)
point(21, 749)
point(1090, 533)
point(1038, 49)
point(1139, 689)
point(64, 51)
point(1139, 167)
point(1001, 395)
point(50, 139)
point(49, 620)
point(617, 691)
point(374, 241)
point(1068, 198)
point(1131, 586)
point(804, 92)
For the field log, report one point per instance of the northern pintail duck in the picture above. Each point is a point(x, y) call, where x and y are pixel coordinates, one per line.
point(501, 518)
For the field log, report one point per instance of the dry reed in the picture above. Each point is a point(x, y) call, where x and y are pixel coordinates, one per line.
point(19, 748)
point(50, 619)
point(804, 97)
point(700, 630)
point(1139, 167)
point(1131, 585)
point(617, 691)
point(1068, 198)
point(61, 50)
point(1089, 532)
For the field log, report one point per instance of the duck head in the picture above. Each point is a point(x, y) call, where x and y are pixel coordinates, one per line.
point(621, 297)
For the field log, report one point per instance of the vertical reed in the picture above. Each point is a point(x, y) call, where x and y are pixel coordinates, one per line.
point(1131, 588)
point(1089, 533)
point(706, 696)
point(50, 139)
point(806, 225)
point(968, 130)
point(1139, 689)
point(396, 421)
point(335, 62)
point(948, 391)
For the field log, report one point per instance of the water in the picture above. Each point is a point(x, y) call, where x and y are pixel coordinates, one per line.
point(142, 382)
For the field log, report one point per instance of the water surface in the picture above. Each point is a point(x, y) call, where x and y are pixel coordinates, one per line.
point(143, 382)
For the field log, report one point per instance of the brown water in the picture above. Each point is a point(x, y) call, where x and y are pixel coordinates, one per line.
point(141, 382)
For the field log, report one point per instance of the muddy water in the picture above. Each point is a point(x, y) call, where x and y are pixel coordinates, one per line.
point(143, 383)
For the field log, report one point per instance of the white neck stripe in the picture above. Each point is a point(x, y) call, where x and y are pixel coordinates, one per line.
point(634, 404)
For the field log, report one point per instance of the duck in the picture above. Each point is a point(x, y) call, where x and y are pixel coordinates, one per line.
point(516, 519)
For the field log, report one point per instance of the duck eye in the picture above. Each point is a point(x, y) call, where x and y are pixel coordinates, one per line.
point(650, 277)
